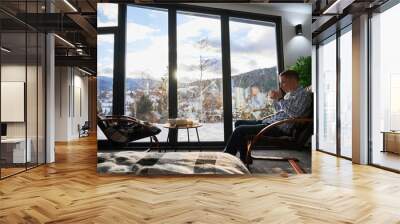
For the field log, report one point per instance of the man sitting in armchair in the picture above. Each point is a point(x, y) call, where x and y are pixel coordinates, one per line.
point(290, 101)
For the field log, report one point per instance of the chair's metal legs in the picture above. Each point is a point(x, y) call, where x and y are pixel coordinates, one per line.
point(198, 139)
point(151, 143)
point(292, 161)
point(187, 130)
point(296, 167)
point(168, 141)
point(274, 158)
point(157, 144)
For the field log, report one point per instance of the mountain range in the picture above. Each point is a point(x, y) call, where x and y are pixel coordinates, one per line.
point(265, 78)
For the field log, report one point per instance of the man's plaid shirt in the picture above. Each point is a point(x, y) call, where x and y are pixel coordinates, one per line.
point(294, 105)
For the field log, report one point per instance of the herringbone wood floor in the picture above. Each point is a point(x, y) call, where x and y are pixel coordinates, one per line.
point(70, 191)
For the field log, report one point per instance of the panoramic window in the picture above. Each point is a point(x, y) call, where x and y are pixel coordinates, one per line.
point(327, 96)
point(253, 67)
point(346, 94)
point(107, 14)
point(105, 69)
point(146, 80)
point(385, 88)
point(199, 78)
point(199, 73)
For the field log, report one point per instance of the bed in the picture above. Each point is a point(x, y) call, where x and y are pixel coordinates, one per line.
point(170, 163)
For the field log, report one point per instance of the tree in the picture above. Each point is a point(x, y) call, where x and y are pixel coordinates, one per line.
point(162, 102)
point(144, 107)
point(99, 107)
point(131, 109)
point(204, 65)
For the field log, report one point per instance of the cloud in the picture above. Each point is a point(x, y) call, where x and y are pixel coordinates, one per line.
point(190, 32)
point(105, 39)
point(105, 54)
point(151, 58)
point(188, 58)
point(243, 62)
point(252, 47)
point(105, 69)
point(107, 14)
point(137, 32)
point(195, 26)
point(253, 39)
point(214, 65)
point(151, 55)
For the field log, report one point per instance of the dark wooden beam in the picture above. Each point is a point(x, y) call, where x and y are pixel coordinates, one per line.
point(83, 61)
point(85, 25)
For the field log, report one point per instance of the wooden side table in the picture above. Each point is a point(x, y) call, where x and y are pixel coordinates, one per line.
point(175, 128)
point(391, 141)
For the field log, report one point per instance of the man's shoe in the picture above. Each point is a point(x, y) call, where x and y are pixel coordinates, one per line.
point(250, 160)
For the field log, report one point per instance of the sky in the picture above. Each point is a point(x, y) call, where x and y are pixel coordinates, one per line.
point(253, 46)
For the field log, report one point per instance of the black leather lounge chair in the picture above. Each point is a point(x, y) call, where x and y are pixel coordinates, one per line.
point(120, 129)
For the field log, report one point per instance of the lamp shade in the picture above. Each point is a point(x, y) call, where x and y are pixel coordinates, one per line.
point(299, 29)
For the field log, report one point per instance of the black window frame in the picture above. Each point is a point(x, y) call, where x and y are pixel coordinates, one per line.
point(119, 36)
point(225, 15)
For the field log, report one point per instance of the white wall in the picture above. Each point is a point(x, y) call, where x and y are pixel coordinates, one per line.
point(17, 73)
point(291, 14)
point(12, 73)
point(79, 117)
point(61, 103)
point(33, 125)
point(70, 84)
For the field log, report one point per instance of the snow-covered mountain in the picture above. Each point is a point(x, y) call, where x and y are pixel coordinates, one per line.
point(266, 78)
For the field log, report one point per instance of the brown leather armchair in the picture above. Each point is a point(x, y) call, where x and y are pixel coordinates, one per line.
point(302, 133)
point(299, 139)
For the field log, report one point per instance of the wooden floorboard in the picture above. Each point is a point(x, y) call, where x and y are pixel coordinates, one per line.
point(70, 191)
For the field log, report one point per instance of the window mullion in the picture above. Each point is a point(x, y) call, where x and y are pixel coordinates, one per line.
point(172, 57)
point(226, 76)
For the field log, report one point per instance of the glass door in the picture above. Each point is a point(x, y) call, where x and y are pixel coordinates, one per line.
point(22, 98)
point(327, 96)
point(15, 146)
point(346, 92)
point(385, 89)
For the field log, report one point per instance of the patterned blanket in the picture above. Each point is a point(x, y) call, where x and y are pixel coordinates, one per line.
point(170, 163)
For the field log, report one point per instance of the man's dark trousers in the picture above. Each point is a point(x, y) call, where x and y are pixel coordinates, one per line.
point(244, 128)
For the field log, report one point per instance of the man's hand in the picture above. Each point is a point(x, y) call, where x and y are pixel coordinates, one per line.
point(275, 94)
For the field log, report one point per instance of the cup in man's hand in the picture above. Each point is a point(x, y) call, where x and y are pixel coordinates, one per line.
point(274, 94)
